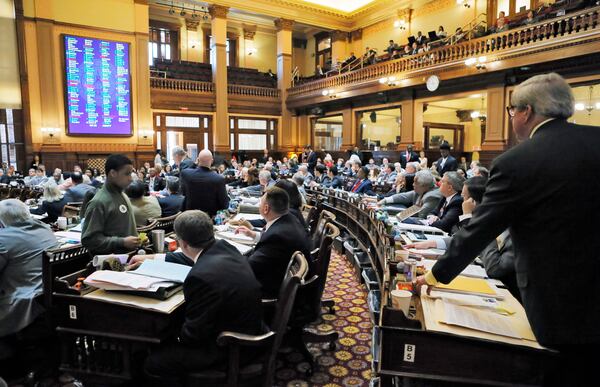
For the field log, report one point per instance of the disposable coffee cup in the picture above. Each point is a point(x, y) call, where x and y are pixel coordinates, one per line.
point(158, 241)
point(61, 222)
point(401, 300)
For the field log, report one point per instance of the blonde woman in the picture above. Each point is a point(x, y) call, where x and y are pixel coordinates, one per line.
point(53, 201)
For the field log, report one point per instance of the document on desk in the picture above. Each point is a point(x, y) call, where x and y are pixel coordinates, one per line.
point(240, 238)
point(468, 285)
point(247, 216)
point(164, 270)
point(243, 249)
point(162, 306)
point(478, 319)
point(39, 217)
point(115, 280)
point(69, 235)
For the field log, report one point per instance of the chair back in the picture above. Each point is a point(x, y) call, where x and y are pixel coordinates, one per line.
point(61, 262)
point(165, 223)
point(319, 229)
point(147, 228)
point(297, 270)
point(71, 209)
point(313, 218)
point(308, 304)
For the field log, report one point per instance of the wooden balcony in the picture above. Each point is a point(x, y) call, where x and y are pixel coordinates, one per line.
point(175, 94)
point(568, 36)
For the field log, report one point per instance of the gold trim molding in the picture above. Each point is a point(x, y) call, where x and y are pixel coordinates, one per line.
point(282, 24)
point(218, 11)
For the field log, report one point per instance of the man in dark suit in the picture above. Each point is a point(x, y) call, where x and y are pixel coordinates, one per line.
point(311, 159)
point(446, 163)
point(408, 156)
point(362, 185)
point(221, 294)
point(155, 182)
point(334, 180)
point(203, 188)
point(283, 235)
point(171, 204)
point(181, 161)
point(548, 227)
point(449, 210)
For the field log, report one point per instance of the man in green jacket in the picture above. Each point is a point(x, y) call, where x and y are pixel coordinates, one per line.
point(109, 225)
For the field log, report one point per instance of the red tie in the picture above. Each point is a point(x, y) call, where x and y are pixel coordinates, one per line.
point(356, 185)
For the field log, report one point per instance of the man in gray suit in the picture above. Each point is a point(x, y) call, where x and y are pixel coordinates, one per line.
point(424, 194)
point(78, 189)
point(22, 241)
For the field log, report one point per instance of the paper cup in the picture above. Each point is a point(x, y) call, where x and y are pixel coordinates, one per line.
point(401, 300)
point(61, 222)
point(401, 255)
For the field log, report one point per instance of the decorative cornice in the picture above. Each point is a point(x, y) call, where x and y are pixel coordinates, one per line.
point(282, 24)
point(405, 14)
point(192, 25)
point(339, 36)
point(218, 11)
point(249, 31)
point(433, 7)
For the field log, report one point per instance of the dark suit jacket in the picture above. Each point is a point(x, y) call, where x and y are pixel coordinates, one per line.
point(451, 213)
point(366, 187)
point(293, 211)
point(170, 205)
point(159, 183)
point(221, 294)
point(203, 190)
point(336, 182)
point(274, 250)
point(414, 156)
point(548, 228)
point(185, 164)
point(450, 165)
point(311, 160)
point(53, 209)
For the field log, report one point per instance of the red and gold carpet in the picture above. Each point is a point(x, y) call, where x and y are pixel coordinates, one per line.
point(350, 363)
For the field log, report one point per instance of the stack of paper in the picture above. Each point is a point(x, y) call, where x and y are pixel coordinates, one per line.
point(243, 249)
point(468, 285)
point(240, 238)
point(115, 280)
point(166, 271)
point(247, 216)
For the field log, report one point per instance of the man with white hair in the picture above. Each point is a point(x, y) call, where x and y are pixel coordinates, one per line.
point(308, 177)
point(181, 161)
point(22, 241)
point(203, 188)
point(424, 194)
point(449, 210)
point(532, 195)
point(265, 181)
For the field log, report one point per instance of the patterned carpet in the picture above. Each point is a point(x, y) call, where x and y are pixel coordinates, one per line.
point(350, 363)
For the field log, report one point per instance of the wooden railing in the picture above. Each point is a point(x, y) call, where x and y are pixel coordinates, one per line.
point(253, 91)
point(504, 44)
point(181, 85)
point(208, 87)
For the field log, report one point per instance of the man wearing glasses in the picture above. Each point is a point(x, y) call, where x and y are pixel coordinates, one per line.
point(549, 211)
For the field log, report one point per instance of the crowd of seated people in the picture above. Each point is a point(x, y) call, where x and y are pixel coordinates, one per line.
point(434, 39)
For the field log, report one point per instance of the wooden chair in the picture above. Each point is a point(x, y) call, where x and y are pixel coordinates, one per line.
point(309, 302)
point(317, 232)
point(262, 369)
point(149, 227)
point(71, 209)
point(165, 223)
point(60, 262)
point(313, 217)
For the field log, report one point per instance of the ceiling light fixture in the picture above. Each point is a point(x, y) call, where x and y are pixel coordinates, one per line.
point(590, 106)
point(390, 81)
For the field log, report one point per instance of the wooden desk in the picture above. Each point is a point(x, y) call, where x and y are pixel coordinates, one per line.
point(101, 339)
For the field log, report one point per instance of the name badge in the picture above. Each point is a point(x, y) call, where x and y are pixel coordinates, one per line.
point(123, 208)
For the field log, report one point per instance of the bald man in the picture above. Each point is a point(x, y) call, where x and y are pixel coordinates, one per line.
point(203, 188)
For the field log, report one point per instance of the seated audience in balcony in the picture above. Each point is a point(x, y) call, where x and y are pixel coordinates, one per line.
point(414, 49)
point(271, 75)
point(349, 60)
point(391, 47)
point(369, 56)
point(144, 207)
point(53, 202)
point(530, 19)
point(441, 34)
point(501, 23)
point(420, 39)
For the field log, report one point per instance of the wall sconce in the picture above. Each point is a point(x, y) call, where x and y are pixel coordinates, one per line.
point(464, 3)
point(479, 63)
point(391, 81)
point(252, 50)
point(330, 93)
point(50, 131)
point(401, 24)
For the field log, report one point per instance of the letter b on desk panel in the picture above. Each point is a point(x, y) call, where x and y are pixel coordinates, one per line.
point(409, 353)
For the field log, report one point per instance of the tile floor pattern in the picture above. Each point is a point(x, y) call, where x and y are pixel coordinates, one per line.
point(350, 363)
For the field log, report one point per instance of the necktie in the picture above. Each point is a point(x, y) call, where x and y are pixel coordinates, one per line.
point(443, 208)
point(356, 185)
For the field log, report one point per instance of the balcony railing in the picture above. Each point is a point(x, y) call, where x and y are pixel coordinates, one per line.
point(496, 46)
point(181, 85)
point(208, 87)
point(253, 91)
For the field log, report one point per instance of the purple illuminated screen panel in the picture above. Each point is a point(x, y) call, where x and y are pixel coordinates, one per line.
point(98, 86)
